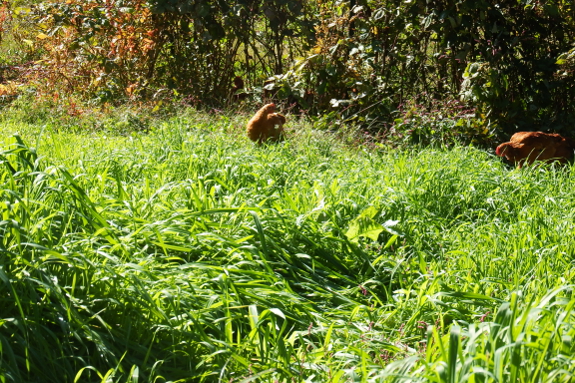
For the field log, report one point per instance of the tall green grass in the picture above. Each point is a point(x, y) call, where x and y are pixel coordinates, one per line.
point(189, 254)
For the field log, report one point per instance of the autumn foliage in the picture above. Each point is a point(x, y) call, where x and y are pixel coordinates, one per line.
point(96, 47)
point(111, 50)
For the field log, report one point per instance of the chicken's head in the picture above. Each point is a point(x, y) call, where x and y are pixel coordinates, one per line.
point(502, 149)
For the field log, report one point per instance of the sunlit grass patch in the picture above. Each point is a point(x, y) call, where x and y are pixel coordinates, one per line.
point(187, 252)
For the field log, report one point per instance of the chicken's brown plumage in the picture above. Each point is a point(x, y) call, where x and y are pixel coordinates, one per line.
point(526, 147)
point(266, 125)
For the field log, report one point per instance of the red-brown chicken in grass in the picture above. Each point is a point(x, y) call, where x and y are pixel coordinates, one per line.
point(527, 147)
point(266, 125)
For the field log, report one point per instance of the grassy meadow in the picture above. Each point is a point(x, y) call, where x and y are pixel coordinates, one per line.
point(188, 254)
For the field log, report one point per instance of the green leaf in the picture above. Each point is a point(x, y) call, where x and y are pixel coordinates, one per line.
point(364, 226)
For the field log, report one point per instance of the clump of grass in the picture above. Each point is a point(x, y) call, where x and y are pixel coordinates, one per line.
point(188, 253)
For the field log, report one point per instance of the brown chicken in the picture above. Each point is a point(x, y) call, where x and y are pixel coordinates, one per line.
point(266, 125)
point(526, 147)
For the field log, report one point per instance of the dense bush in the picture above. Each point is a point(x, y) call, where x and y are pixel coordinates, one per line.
point(509, 60)
point(357, 61)
point(112, 50)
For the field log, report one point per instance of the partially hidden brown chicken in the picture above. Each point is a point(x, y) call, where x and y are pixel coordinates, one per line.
point(527, 147)
point(266, 125)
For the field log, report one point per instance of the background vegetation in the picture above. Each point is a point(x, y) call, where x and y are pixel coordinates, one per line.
point(497, 67)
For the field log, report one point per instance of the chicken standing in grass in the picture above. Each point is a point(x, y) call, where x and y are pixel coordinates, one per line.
point(266, 125)
point(526, 147)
